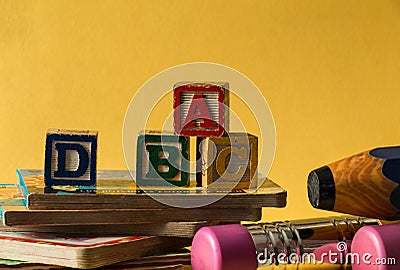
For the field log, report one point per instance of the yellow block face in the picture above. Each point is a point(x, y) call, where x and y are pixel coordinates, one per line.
point(229, 161)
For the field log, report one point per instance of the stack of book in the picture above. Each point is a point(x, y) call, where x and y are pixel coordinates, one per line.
point(114, 223)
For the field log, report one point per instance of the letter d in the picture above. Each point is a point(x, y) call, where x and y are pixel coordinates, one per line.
point(62, 160)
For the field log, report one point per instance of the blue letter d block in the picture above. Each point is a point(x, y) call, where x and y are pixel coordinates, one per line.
point(70, 158)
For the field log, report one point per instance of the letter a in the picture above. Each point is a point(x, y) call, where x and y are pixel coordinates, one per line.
point(198, 114)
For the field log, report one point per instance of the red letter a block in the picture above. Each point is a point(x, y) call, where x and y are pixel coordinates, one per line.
point(201, 109)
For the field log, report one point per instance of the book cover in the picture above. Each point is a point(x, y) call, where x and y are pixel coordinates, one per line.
point(99, 222)
point(168, 260)
point(81, 252)
point(117, 190)
point(168, 229)
point(20, 216)
point(67, 249)
point(11, 194)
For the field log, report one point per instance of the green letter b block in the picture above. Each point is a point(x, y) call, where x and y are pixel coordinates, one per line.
point(162, 159)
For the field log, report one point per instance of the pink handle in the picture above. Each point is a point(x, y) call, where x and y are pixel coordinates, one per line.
point(377, 247)
point(224, 247)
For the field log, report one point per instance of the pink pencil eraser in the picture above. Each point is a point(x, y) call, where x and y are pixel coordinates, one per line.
point(223, 247)
point(332, 252)
point(377, 247)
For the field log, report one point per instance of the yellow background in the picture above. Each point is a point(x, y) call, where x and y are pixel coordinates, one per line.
point(330, 71)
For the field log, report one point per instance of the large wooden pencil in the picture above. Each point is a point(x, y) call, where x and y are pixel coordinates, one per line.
point(365, 184)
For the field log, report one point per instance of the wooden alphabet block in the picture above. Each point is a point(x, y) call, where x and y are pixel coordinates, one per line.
point(162, 159)
point(200, 109)
point(229, 161)
point(70, 157)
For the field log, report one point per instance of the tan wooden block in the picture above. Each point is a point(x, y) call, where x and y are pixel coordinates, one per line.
point(230, 161)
